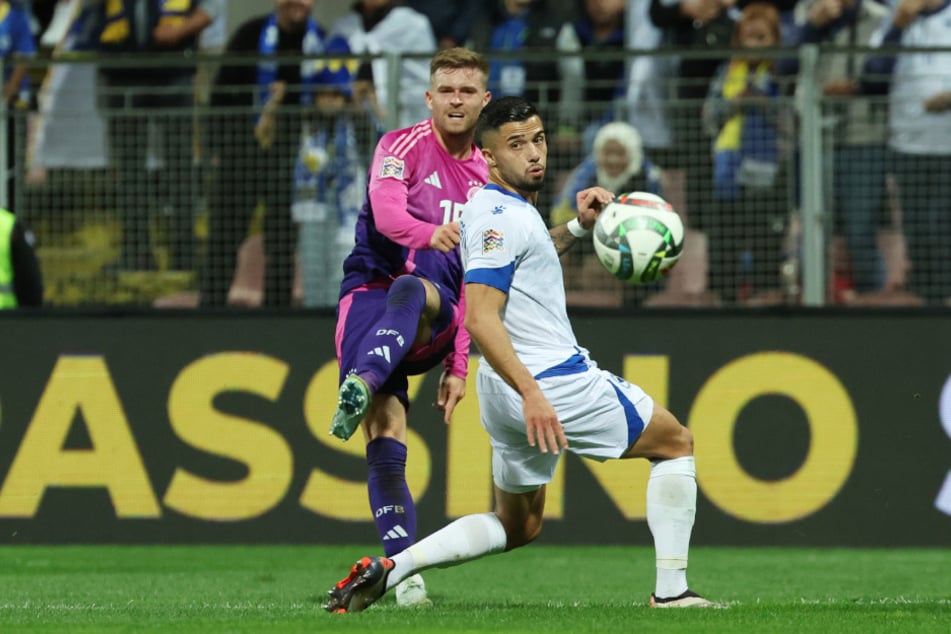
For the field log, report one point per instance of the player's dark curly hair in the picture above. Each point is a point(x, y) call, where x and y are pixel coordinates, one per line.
point(504, 110)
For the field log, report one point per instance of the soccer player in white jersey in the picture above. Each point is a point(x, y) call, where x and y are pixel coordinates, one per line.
point(401, 301)
point(539, 391)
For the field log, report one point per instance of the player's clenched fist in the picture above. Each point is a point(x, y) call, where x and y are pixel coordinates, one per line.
point(445, 237)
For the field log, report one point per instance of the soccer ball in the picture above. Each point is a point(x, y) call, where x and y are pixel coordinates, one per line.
point(638, 237)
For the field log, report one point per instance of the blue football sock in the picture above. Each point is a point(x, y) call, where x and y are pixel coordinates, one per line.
point(390, 501)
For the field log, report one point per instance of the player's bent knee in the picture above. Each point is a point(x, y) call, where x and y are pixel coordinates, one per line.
point(675, 438)
point(677, 442)
point(664, 438)
point(684, 442)
point(521, 533)
point(406, 288)
point(521, 515)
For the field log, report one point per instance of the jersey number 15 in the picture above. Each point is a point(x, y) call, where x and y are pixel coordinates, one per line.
point(451, 211)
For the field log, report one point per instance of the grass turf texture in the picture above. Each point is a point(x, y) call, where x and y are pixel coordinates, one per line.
point(549, 589)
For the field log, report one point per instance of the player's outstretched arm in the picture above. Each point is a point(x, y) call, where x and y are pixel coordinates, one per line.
point(483, 321)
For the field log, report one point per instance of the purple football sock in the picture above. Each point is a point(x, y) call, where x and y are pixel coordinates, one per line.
point(390, 501)
point(391, 337)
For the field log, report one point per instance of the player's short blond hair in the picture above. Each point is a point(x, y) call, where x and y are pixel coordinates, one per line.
point(459, 57)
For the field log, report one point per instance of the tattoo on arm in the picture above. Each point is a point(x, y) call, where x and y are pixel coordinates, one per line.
point(562, 238)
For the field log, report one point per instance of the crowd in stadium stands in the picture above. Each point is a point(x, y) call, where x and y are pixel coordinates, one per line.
point(716, 134)
point(742, 114)
point(257, 158)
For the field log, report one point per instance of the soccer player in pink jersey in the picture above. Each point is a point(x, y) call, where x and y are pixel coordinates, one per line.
point(401, 300)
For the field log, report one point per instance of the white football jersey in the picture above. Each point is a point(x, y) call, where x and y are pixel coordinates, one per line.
point(506, 245)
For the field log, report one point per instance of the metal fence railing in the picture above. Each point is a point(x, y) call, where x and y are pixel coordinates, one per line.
point(139, 194)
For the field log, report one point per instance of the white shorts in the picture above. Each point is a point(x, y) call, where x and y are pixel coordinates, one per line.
point(602, 415)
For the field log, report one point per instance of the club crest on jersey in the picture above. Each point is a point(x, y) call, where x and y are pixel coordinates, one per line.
point(493, 240)
point(474, 186)
point(392, 167)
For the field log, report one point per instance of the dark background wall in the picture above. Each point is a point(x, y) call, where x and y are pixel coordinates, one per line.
point(811, 429)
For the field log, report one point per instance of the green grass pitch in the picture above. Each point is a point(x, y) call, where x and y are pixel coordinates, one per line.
point(551, 589)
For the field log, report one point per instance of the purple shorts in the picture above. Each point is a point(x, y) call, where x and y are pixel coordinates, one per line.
point(360, 309)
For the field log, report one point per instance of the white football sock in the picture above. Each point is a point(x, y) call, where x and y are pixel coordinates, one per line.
point(469, 537)
point(671, 507)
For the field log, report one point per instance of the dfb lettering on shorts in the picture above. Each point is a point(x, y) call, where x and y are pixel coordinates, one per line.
point(383, 332)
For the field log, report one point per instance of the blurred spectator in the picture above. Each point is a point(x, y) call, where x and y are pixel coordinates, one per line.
point(451, 19)
point(520, 25)
point(54, 18)
point(618, 164)
point(384, 26)
point(860, 156)
point(211, 42)
point(330, 184)
point(920, 135)
point(649, 82)
point(16, 42)
point(213, 37)
point(519, 38)
point(255, 132)
point(696, 25)
point(649, 104)
point(704, 25)
point(748, 224)
point(21, 283)
point(590, 85)
point(129, 97)
point(69, 131)
point(41, 11)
